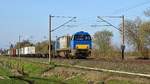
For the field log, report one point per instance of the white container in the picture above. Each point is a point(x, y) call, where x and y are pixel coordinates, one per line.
point(17, 53)
point(64, 42)
point(8, 52)
point(29, 50)
point(22, 51)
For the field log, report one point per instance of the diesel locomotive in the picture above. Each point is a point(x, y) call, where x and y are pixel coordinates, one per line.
point(78, 45)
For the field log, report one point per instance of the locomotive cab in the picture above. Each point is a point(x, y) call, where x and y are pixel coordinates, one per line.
point(81, 44)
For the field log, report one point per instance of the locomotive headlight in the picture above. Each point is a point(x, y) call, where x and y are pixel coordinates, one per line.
point(82, 46)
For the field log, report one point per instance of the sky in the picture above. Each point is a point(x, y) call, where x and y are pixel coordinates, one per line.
point(29, 18)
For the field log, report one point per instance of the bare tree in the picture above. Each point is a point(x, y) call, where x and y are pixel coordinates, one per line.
point(147, 12)
point(43, 47)
point(132, 32)
point(102, 41)
point(138, 34)
point(145, 38)
point(24, 43)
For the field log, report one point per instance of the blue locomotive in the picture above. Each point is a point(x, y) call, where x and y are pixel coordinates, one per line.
point(78, 45)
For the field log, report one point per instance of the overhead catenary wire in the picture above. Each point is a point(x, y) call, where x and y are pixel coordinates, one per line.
point(63, 24)
point(108, 23)
point(67, 30)
point(130, 8)
point(70, 27)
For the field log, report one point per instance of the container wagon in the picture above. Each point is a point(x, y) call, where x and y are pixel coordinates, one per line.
point(26, 51)
point(11, 52)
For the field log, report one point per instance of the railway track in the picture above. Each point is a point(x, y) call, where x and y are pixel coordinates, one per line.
point(90, 60)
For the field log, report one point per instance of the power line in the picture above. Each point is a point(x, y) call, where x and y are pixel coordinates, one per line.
point(108, 23)
point(99, 25)
point(62, 16)
point(130, 8)
point(63, 24)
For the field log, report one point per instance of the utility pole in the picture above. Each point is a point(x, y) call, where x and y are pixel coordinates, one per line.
point(52, 30)
point(19, 49)
point(50, 38)
point(123, 29)
point(123, 38)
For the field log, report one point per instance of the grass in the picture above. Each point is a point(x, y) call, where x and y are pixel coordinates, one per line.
point(38, 80)
point(115, 81)
point(59, 74)
point(4, 72)
point(12, 81)
point(77, 80)
point(34, 80)
point(34, 71)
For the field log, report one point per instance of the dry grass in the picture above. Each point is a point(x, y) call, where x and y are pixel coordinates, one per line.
point(94, 76)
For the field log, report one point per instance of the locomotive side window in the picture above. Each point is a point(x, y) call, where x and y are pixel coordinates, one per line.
point(87, 37)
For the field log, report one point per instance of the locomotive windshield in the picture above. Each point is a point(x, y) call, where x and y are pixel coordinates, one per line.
point(82, 37)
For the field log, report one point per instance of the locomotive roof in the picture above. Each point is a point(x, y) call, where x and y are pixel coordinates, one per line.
point(81, 32)
point(77, 33)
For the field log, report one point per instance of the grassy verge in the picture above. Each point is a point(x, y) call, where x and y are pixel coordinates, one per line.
point(30, 72)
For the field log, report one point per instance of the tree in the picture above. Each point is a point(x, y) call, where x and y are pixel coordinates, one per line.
point(102, 41)
point(145, 30)
point(43, 47)
point(147, 12)
point(1, 51)
point(132, 33)
point(138, 34)
point(145, 38)
point(24, 43)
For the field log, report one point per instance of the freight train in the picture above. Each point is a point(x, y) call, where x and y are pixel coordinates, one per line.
point(78, 45)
